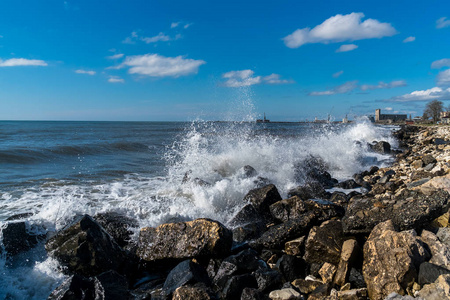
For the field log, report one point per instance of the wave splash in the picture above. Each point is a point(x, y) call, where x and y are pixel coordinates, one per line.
point(209, 157)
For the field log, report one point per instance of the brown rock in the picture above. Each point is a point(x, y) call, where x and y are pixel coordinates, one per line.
point(349, 253)
point(327, 272)
point(440, 253)
point(357, 294)
point(295, 247)
point(191, 293)
point(198, 238)
point(306, 286)
point(324, 243)
point(391, 261)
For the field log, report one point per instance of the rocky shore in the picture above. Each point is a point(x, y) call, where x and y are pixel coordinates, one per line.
point(387, 237)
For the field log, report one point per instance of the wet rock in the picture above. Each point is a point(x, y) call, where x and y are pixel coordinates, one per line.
point(248, 231)
point(391, 260)
point(247, 224)
point(74, 287)
point(19, 216)
point(314, 169)
point(186, 272)
point(85, 248)
point(118, 226)
point(245, 261)
point(262, 198)
point(428, 273)
point(310, 190)
point(285, 294)
point(381, 147)
point(295, 247)
point(111, 285)
point(236, 284)
point(440, 289)
point(198, 238)
point(276, 236)
point(291, 267)
point(18, 239)
point(192, 292)
point(348, 184)
point(294, 208)
point(414, 211)
point(248, 171)
point(324, 243)
point(339, 198)
point(253, 294)
point(268, 279)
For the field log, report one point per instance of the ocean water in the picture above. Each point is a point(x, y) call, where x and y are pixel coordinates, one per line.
point(57, 170)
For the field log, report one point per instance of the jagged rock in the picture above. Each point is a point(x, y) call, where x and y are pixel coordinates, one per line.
point(306, 286)
point(339, 198)
point(294, 208)
point(252, 294)
point(418, 163)
point(356, 279)
point(327, 272)
point(428, 159)
point(356, 294)
point(291, 267)
point(118, 226)
point(17, 238)
point(314, 169)
point(440, 253)
point(285, 294)
point(248, 171)
point(262, 198)
point(267, 279)
point(245, 261)
point(428, 273)
point(85, 248)
point(395, 296)
point(192, 292)
point(428, 185)
point(348, 184)
point(324, 243)
point(310, 190)
point(111, 285)
point(198, 238)
point(391, 260)
point(381, 147)
point(295, 247)
point(349, 254)
point(248, 231)
point(236, 284)
point(277, 235)
point(247, 224)
point(443, 234)
point(74, 287)
point(414, 211)
point(186, 272)
point(320, 293)
point(438, 290)
point(247, 214)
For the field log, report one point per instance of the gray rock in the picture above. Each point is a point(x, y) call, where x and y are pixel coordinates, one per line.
point(428, 273)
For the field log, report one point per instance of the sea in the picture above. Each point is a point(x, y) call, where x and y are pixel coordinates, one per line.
point(54, 171)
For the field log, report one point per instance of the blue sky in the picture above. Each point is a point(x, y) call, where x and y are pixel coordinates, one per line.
point(182, 60)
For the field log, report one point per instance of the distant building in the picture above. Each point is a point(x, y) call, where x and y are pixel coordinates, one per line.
point(445, 117)
point(388, 118)
point(263, 120)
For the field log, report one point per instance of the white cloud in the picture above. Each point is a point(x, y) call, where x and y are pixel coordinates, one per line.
point(340, 28)
point(346, 48)
point(340, 89)
point(388, 108)
point(115, 79)
point(437, 64)
point(409, 39)
point(275, 79)
point(442, 22)
point(161, 37)
point(155, 65)
point(337, 74)
point(423, 95)
point(115, 56)
point(174, 24)
point(245, 78)
point(187, 25)
point(131, 39)
point(16, 62)
point(383, 85)
point(85, 72)
point(443, 78)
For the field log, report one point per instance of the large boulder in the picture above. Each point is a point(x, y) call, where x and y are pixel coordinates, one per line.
point(349, 256)
point(198, 238)
point(118, 226)
point(294, 208)
point(262, 198)
point(428, 273)
point(391, 260)
point(324, 243)
point(17, 238)
point(414, 210)
point(186, 272)
point(438, 290)
point(381, 147)
point(440, 253)
point(85, 248)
